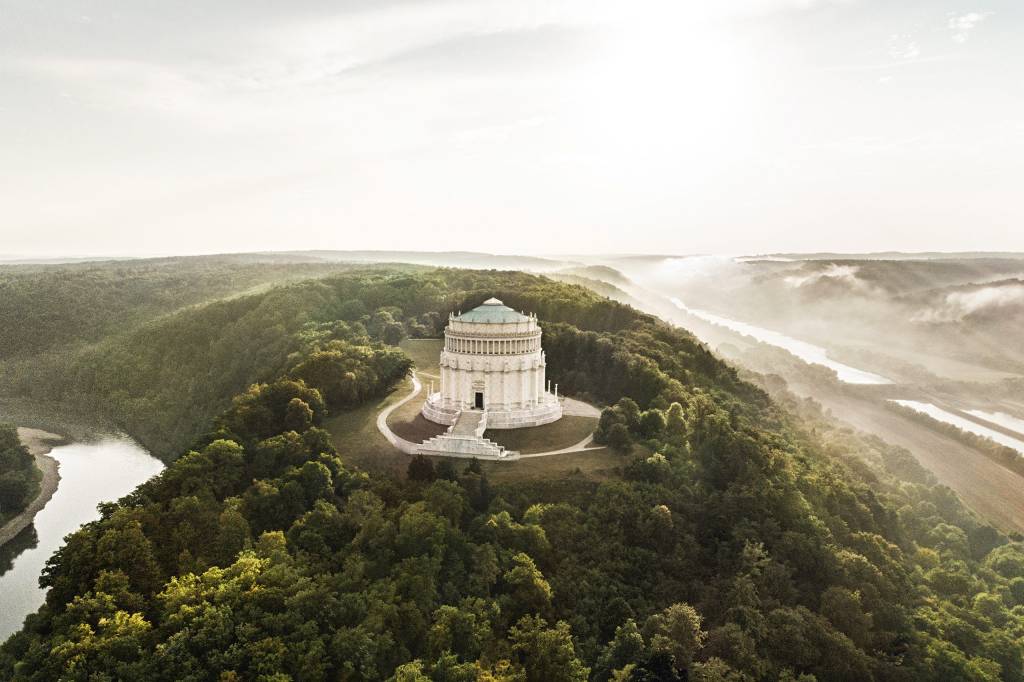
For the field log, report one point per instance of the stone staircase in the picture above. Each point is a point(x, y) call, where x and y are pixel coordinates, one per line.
point(470, 423)
point(465, 438)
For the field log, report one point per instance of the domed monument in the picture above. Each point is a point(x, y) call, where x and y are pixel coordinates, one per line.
point(493, 365)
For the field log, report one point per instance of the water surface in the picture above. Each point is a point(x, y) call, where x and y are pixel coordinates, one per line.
point(1007, 421)
point(808, 352)
point(90, 473)
point(942, 415)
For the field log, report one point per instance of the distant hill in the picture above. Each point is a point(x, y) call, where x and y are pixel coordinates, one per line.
point(458, 259)
point(958, 308)
point(604, 273)
point(45, 307)
point(894, 255)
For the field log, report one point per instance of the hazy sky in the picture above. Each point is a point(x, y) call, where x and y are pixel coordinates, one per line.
point(150, 127)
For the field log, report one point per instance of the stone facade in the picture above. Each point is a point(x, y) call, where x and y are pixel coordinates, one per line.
point(493, 362)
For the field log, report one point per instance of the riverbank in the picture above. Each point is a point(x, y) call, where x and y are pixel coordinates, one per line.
point(39, 444)
point(103, 469)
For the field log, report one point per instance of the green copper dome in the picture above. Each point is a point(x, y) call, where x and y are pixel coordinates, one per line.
point(492, 311)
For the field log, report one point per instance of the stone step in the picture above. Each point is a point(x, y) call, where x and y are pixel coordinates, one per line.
point(463, 446)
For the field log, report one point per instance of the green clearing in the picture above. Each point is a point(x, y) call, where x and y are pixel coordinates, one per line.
point(415, 428)
point(354, 433)
point(563, 433)
point(426, 353)
point(408, 423)
point(596, 465)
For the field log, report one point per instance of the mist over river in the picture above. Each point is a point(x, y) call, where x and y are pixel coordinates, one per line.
point(807, 352)
point(90, 473)
point(942, 415)
point(1007, 421)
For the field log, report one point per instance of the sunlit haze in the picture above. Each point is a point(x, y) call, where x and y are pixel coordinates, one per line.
point(754, 126)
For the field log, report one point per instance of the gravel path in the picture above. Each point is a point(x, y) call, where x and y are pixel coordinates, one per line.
point(406, 446)
point(583, 446)
point(569, 406)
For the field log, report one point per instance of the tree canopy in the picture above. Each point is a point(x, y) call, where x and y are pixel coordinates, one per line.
point(19, 477)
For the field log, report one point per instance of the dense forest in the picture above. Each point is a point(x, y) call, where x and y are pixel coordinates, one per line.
point(49, 307)
point(743, 539)
point(19, 477)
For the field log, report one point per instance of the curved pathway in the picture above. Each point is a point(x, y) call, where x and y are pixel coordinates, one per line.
point(570, 406)
point(582, 446)
point(578, 408)
point(406, 446)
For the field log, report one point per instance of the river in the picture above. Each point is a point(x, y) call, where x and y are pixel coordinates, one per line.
point(90, 473)
point(807, 352)
point(942, 415)
point(1007, 421)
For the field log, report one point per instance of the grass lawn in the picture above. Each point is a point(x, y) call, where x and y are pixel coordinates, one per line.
point(594, 465)
point(408, 423)
point(426, 353)
point(416, 429)
point(598, 465)
point(567, 431)
point(355, 435)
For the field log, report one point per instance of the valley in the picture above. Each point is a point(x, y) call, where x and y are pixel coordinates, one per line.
point(976, 396)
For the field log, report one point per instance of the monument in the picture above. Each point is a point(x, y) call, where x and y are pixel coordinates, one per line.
point(492, 377)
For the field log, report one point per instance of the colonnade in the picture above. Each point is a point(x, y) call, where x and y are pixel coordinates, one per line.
point(483, 346)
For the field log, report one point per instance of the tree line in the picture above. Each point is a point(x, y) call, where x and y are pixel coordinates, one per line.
point(1001, 454)
point(19, 477)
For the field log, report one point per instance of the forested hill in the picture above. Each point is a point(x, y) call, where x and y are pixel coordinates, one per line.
point(46, 307)
point(737, 542)
point(163, 381)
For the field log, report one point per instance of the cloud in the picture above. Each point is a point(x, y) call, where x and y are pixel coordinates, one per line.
point(843, 273)
point(989, 297)
point(903, 47)
point(963, 24)
point(960, 304)
point(328, 76)
point(517, 49)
